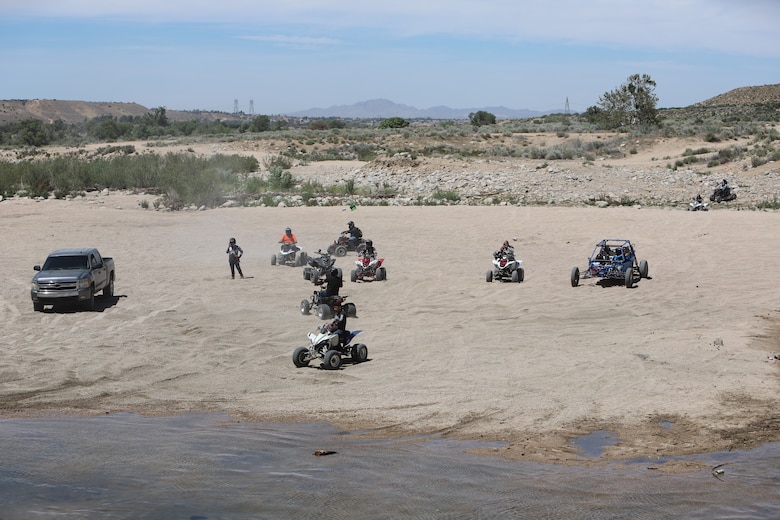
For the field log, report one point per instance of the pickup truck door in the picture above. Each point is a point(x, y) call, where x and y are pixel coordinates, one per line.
point(98, 270)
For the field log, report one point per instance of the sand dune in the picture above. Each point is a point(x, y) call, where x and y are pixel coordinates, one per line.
point(679, 364)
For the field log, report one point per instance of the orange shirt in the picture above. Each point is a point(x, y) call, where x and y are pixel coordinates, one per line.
point(288, 239)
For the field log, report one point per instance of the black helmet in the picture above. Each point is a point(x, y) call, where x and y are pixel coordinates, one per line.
point(232, 240)
point(334, 271)
point(350, 224)
point(369, 243)
point(287, 230)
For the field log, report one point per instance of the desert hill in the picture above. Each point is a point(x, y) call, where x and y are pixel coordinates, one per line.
point(745, 96)
point(50, 110)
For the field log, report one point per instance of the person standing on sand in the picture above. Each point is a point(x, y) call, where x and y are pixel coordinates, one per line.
point(234, 257)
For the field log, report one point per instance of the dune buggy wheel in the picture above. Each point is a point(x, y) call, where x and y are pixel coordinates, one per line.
point(381, 274)
point(359, 353)
point(575, 276)
point(629, 279)
point(301, 357)
point(305, 307)
point(350, 309)
point(489, 276)
point(643, 269)
point(340, 251)
point(323, 311)
point(331, 360)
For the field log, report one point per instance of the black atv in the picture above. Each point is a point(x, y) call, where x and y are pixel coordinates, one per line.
point(318, 266)
point(323, 306)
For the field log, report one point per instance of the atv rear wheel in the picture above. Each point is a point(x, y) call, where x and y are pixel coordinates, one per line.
point(340, 251)
point(306, 273)
point(331, 360)
point(520, 274)
point(575, 276)
point(515, 276)
point(359, 353)
point(381, 274)
point(301, 357)
point(323, 311)
point(273, 260)
point(350, 309)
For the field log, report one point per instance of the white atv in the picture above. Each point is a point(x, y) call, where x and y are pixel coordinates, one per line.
point(505, 268)
point(326, 345)
point(287, 256)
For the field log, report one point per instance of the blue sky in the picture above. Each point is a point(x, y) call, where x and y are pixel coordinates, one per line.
point(290, 55)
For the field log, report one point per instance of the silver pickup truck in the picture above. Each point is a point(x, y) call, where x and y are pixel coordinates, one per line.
point(72, 275)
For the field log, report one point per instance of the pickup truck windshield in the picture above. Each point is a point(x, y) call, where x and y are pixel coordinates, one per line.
point(65, 262)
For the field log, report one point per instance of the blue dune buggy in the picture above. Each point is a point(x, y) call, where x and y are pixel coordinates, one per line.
point(612, 259)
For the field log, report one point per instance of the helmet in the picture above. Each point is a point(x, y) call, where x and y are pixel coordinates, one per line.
point(287, 230)
point(334, 271)
point(350, 224)
point(506, 243)
point(232, 240)
point(369, 243)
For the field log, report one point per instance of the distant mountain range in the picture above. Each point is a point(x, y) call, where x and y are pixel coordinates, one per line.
point(50, 110)
point(384, 108)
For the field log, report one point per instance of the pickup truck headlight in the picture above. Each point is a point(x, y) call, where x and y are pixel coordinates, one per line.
point(83, 283)
point(34, 286)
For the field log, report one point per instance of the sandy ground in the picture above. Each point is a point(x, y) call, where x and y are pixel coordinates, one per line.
point(682, 363)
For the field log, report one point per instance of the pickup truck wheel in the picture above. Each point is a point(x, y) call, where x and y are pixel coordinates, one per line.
point(90, 303)
point(108, 291)
point(37, 306)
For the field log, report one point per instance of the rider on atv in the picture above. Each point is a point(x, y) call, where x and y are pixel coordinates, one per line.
point(354, 234)
point(369, 251)
point(339, 323)
point(290, 240)
point(506, 250)
point(332, 284)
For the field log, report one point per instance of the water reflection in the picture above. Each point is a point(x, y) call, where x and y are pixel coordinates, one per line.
point(210, 467)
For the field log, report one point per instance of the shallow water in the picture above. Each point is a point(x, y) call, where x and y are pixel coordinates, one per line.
point(200, 467)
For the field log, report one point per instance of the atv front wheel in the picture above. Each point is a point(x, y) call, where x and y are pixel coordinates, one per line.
point(381, 274)
point(489, 276)
point(353, 275)
point(332, 360)
point(520, 274)
point(273, 260)
point(305, 306)
point(301, 357)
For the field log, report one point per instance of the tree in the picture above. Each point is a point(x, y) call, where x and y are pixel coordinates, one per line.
point(631, 104)
point(32, 133)
point(481, 118)
point(394, 122)
point(261, 123)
